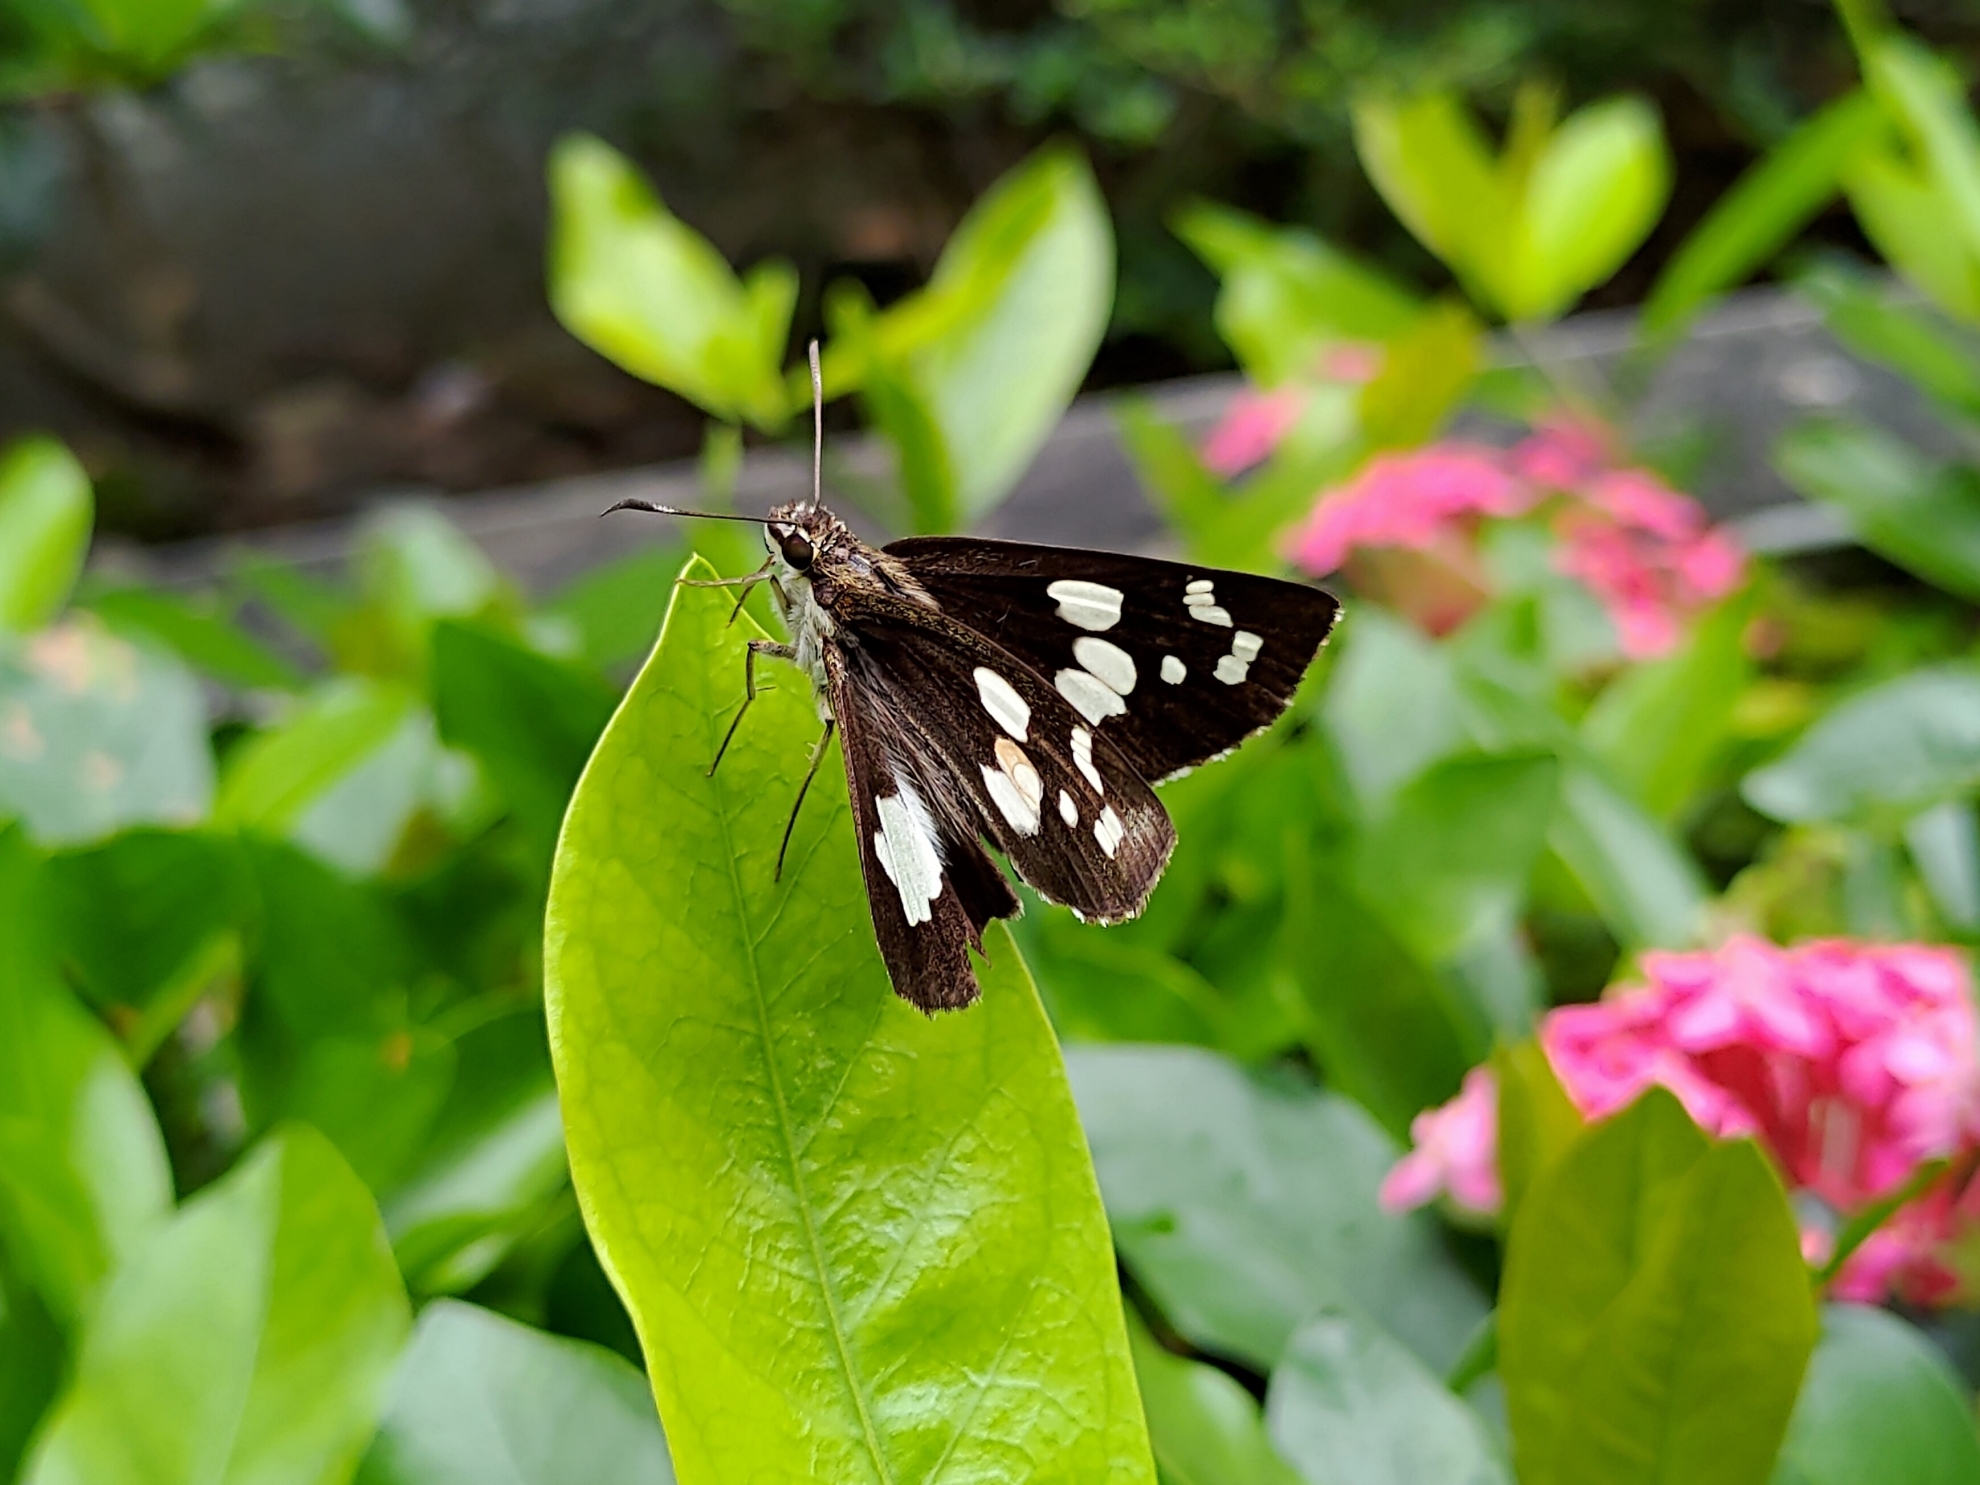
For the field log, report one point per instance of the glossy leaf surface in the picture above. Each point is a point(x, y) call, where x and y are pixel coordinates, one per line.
point(481, 1400)
point(1351, 1406)
point(1655, 1315)
point(858, 1243)
point(1246, 1204)
point(247, 1343)
point(46, 511)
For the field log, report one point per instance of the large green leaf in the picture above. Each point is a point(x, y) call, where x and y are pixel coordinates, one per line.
point(1880, 1406)
point(31, 1362)
point(1655, 1314)
point(1884, 754)
point(530, 720)
point(97, 733)
point(1435, 169)
point(1391, 705)
point(145, 921)
point(1765, 209)
point(1645, 885)
point(991, 352)
point(199, 630)
point(1350, 1406)
point(1246, 1204)
point(1595, 191)
point(1207, 1430)
point(83, 1177)
point(644, 289)
point(1923, 517)
point(247, 1343)
point(858, 1243)
point(45, 515)
point(1658, 727)
point(1882, 321)
point(481, 1400)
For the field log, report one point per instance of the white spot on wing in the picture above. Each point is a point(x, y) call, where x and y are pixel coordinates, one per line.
point(905, 847)
point(1231, 670)
point(1108, 830)
point(1082, 751)
point(1246, 645)
point(1007, 709)
point(1108, 661)
point(1068, 811)
point(1015, 787)
point(1173, 670)
point(1090, 697)
point(1209, 613)
point(1087, 605)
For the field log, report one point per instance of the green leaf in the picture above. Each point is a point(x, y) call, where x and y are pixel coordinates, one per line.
point(46, 511)
point(1435, 169)
point(250, 1340)
point(1287, 294)
point(857, 1242)
point(1866, 312)
point(644, 289)
point(1595, 191)
point(1106, 990)
point(1538, 1122)
point(481, 1400)
point(992, 351)
point(1655, 1314)
point(530, 720)
point(1763, 212)
point(97, 733)
point(1925, 519)
point(1448, 860)
point(1246, 1204)
point(1350, 1406)
point(31, 1362)
point(1885, 753)
point(1880, 1406)
point(1206, 1429)
point(144, 923)
point(1944, 842)
point(136, 42)
point(1657, 728)
point(197, 633)
point(1644, 884)
point(83, 1176)
point(1391, 705)
point(1425, 372)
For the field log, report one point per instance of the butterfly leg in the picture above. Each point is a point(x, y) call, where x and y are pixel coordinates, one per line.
point(756, 647)
point(817, 755)
point(744, 584)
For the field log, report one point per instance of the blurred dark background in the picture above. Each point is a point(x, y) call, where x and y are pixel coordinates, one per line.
point(311, 268)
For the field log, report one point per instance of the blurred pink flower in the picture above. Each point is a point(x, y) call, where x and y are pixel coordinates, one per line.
point(1853, 1064)
point(1646, 551)
point(1355, 361)
point(1250, 430)
point(1409, 500)
point(1455, 1151)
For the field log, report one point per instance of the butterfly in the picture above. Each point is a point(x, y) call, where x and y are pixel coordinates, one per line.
point(1025, 696)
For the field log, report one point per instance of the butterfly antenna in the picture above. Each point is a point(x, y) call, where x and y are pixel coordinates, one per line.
point(674, 510)
point(817, 427)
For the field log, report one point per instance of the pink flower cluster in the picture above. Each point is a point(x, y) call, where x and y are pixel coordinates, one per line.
point(1645, 550)
point(1852, 1064)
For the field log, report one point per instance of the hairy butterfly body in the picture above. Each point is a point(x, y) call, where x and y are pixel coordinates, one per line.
point(1024, 696)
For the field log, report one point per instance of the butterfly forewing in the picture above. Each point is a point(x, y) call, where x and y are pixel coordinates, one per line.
point(1173, 664)
point(1018, 762)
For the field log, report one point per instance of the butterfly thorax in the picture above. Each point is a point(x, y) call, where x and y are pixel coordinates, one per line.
point(814, 560)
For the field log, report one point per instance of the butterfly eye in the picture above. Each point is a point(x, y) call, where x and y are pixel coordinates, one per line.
point(797, 549)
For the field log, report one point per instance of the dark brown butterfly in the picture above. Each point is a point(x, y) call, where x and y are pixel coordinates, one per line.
point(1024, 696)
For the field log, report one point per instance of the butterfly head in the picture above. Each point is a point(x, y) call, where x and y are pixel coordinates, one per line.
point(800, 536)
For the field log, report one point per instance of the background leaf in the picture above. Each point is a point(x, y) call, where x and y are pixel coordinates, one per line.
point(1245, 1205)
point(1880, 1406)
point(46, 511)
point(249, 1340)
point(1595, 191)
point(1655, 1315)
point(481, 1400)
point(1888, 752)
point(857, 1242)
point(1206, 1429)
point(1350, 1406)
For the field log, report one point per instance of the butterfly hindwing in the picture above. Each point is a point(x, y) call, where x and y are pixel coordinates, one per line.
point(1174, 664)
point(931, 887)
point(1075, 819)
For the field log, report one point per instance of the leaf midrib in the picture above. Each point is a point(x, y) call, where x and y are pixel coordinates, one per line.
point(853, 1385)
